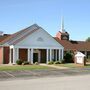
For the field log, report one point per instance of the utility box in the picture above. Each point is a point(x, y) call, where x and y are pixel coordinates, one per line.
point(80, 58)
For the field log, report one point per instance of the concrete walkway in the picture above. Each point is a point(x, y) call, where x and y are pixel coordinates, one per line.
point(48, 83)
point(53, 66)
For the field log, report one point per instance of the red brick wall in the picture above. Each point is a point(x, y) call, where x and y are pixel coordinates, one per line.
point(1, 55)
point(6, 55)
point(58, 35)
point(43, 56)
point(23, 54)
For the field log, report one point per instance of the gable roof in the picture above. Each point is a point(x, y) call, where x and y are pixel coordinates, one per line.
point(74, 45)
point(20, 34)
point(79, 54)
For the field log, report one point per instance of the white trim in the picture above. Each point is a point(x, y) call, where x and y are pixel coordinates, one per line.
point(39, 56)
point(56, 55)
point(59, 55)
point(31, 55)
point(14, 59)
point(62, 54)
point(35, 47)
point(17, 53)
point(50, 54)
point(28, 55)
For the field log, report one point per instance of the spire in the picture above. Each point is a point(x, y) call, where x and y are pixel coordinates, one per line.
point(62, 24)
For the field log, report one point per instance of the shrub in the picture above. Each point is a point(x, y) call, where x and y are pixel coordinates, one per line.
point(19, 62)
point(68, 57)
point(57, 62)
point(50, 62)
point(36, 63)
point(62, 61)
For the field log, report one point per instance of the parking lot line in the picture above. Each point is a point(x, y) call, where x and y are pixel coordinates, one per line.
point(9, 74)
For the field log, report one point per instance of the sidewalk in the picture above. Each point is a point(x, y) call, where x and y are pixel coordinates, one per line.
point(53, 66)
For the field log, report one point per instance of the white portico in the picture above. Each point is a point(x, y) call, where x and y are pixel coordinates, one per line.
point(34, 44)
point(51, 54)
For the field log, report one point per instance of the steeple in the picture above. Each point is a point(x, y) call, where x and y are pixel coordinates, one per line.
point(62, 34)
point(62, 24)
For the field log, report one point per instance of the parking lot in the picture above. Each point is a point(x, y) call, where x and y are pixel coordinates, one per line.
point(30, 74)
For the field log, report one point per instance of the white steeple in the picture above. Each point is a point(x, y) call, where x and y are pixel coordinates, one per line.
point(62, 24)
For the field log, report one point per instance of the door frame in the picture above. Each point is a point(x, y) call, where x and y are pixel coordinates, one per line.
point(39, 54)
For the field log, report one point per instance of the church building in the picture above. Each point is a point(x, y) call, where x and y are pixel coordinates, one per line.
point(32, 44)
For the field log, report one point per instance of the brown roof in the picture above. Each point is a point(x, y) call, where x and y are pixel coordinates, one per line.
point(74, 45)
point(3, 37)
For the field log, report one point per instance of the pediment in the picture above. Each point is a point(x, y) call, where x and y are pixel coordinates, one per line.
point(39, 38)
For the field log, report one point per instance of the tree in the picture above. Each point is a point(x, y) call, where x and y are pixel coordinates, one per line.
point(88, 39)
point(68, 57)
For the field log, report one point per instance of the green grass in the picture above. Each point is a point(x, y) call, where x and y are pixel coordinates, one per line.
point(72, 65)
point(25, 67)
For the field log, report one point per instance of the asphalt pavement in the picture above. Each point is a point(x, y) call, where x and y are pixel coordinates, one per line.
point(31, 74)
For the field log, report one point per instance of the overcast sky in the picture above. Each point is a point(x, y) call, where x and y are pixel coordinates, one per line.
point(18, 14)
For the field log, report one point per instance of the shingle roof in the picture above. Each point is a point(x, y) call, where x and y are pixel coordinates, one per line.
point(19, 33)
point(74, 45)
point(3, 37)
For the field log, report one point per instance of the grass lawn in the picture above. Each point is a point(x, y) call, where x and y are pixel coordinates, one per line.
point(72, 65)
point(21, 67)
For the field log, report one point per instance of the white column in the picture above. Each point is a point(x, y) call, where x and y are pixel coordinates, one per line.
point(31, 55)
point(62, 54)
point(39, 55)
point(10, 57)
point(56, 55)
point(28, 55)
point(50, 54)
point(47, 56)
point(17, 53)
point(59, 55)
point(14, 57)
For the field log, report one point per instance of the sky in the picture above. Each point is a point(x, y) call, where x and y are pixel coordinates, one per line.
point(16, 15)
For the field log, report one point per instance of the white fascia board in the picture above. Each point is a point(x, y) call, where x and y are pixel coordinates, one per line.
point(38, 47)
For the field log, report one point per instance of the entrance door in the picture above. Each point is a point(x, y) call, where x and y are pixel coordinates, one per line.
point(35, 57)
